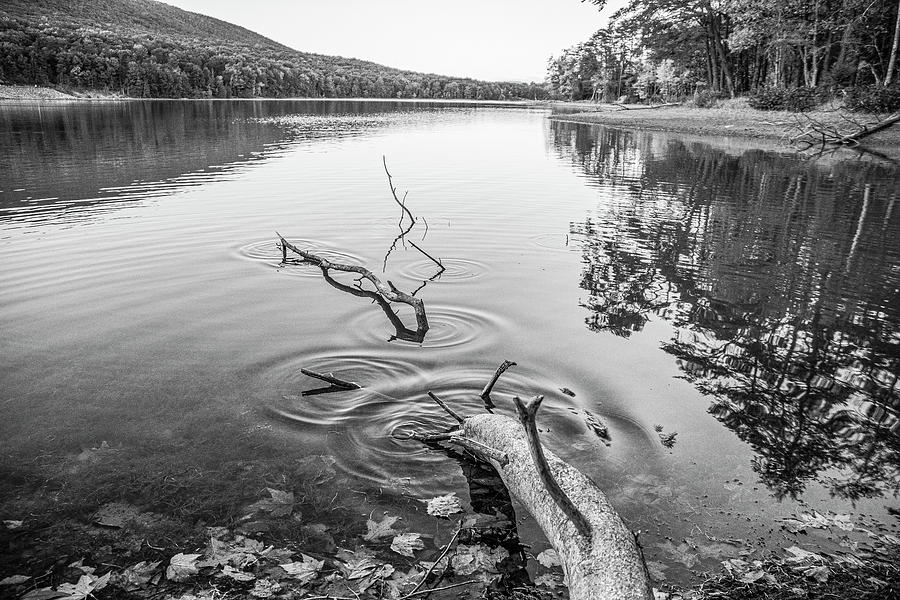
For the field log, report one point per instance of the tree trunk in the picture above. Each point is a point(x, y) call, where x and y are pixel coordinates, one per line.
point(608, 565)
point(893, 60)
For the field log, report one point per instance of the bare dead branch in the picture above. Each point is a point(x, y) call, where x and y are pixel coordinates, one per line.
point(330, 378)
point(394, 192)
point(433, 259)
point(387, 291)
point(446, 408)
point(527, 414)
point(433, 565)
point(480, 449)
point(486, 392)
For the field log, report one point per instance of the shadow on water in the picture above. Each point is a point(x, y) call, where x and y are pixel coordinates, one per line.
point(779, 277)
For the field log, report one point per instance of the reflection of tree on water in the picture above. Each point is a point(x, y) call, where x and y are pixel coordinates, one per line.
point(782, 280)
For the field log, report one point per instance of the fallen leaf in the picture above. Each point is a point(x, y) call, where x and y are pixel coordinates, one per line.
point(182, 566)
point(86, 585)
point(668, 439)
point(304, 571)
point(799, 555)
point(814, 520)
point(42, 594)
point(360, 567)
point(281, 504)
point(265, 588)
point(843, 522)
point(318, 468)
point(681, 553)
point(658, 595)
point(595, 424)
point(547, 580)
point(380, 529)
point(818, 572)
point(136, 576)
point(12, 524)
point(752, 576)
point(478, 557)
point(116, 514)
point(549, 558)
point(236, 574)
point(443, 506)
point(407, 543)
point(79, 564)
point(14, 580)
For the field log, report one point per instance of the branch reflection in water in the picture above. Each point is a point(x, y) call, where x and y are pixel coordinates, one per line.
point(780, 278)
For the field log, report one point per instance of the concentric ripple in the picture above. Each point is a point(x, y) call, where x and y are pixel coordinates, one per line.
point(454, 269)
point(269, 252)
point(448, 325)
point(554, 241)
point(366, 430)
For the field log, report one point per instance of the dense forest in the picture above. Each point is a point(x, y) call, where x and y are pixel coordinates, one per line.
point(142, 48)
point(672, 49)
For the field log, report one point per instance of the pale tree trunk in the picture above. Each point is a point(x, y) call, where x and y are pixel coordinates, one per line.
point(893, 60)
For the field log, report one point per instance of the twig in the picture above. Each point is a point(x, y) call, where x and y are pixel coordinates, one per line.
point(433, 259)
point(432, 437)
point(330, 378)
point(446, 408)
point(434, 564)
point(480, 449)
point(440, 589)
point(394, 192)
point(486, 392)
point(527, 414)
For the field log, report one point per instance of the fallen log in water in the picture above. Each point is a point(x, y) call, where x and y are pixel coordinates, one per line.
point(600, 556)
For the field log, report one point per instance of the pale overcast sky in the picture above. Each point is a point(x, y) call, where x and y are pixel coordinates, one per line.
point(485, 39)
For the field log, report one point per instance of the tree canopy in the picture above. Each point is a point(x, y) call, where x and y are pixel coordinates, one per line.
point(142, 48)
point(673, 48)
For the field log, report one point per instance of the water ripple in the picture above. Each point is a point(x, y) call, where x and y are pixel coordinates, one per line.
point(454, 269)
point(552, 241)
point(269, 252)
point(448, 326)
point(364, 429)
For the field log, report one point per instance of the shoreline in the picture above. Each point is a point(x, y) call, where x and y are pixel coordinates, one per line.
point(26, 93)
point(731, 125)
point(766, 129)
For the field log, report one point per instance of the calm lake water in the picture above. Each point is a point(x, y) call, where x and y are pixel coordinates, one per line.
point(748, 301)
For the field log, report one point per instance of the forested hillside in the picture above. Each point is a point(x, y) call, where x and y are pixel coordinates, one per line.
point(143, 48)
point(669, 49)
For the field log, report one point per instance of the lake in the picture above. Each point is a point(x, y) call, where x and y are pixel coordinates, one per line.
point(740, 305)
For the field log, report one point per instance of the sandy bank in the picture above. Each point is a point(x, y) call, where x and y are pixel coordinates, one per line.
point(768, 127)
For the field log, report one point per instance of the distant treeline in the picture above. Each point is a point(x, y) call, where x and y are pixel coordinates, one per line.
point(59, 52)
point(670, 49)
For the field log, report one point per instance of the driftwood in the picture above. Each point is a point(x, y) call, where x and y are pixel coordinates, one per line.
point(330, 378)
point(599, 554)
point(650, 107)
point(602, 563)
point(388, 291)
point(486, 392)
point(811, 133)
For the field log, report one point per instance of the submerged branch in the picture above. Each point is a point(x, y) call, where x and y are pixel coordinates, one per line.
point(330, 378)
point(388, 291)
point(446, 408)
point(394, 192)
point(486, 392)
